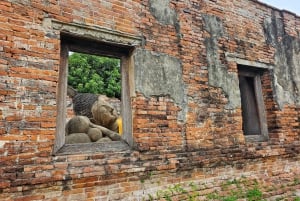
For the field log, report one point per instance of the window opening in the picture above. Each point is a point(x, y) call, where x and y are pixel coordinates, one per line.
point(93, 93)
point(253, 110)
point(251, 125)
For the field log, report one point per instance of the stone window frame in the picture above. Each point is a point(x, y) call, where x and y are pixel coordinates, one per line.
point(255, 73)
point(102, 42)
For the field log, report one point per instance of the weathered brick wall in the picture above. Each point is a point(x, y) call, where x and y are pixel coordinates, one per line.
point(192, 134)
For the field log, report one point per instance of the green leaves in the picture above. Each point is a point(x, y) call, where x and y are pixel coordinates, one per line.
point(95, 74)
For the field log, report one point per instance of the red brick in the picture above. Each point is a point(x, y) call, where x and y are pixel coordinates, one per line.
point(209, 146)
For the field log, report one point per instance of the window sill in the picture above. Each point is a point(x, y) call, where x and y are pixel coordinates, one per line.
point(83, 148)
point(256, 138)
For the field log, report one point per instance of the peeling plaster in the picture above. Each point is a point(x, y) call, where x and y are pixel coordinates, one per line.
point(162, 12)
point(159, 74)
point(218, 76)
point(287, 62)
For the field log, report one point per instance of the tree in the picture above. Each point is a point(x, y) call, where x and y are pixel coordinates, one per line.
point(95, 74)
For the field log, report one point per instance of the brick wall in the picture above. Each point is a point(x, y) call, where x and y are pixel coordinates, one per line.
point(199, 139)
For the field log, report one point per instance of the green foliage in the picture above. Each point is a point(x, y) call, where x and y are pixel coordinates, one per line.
point(241, 189)
point(254, 194)
point(150, 197)
point(296, 181)
point(233, 196)
point(231, 190)
point(95, 74)
point(230, 198)
point(147, 176)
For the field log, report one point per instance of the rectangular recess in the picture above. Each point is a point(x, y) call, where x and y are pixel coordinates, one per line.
point(80, 44)
point(253, 108)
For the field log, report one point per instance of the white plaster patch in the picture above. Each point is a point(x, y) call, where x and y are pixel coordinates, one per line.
point(2, 143)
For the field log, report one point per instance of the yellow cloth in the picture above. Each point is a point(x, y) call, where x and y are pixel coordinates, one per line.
point(119, 122)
